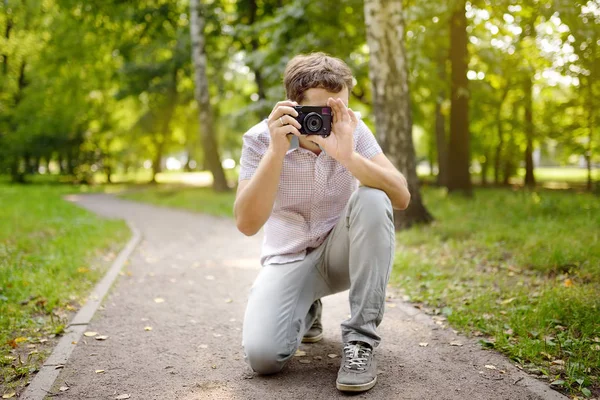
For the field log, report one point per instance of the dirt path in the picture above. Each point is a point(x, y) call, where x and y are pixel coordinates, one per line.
point(202, 269)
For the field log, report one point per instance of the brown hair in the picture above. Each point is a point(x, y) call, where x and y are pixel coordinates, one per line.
point(316, 70)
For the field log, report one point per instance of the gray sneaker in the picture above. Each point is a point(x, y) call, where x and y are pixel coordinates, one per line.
point(315, 333)
point(358, 372)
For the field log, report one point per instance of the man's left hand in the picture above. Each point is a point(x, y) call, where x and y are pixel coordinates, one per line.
point(340, 143)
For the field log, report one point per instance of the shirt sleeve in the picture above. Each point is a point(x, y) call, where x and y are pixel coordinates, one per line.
point(366, 144)
point(252, 152)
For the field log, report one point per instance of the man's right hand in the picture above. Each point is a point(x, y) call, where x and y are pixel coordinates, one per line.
point(281, 123)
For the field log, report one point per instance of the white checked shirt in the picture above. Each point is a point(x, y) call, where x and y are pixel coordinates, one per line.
point(313, 192)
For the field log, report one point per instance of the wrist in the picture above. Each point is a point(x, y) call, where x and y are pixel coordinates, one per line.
point(350, 160)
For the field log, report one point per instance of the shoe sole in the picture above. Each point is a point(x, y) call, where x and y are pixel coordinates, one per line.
point(356, 388)
point(312, 339)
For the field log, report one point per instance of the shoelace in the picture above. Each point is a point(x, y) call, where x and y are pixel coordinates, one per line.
point(357, 356)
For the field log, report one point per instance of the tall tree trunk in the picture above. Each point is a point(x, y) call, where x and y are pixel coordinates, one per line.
point(441, 141)
point(498, 155)
point(9, 25)
point(207, 131)
point(157, 161)
point(391, 99)
point(459, 178)
point(485, 166)
point(591, 116)
point(529, 177)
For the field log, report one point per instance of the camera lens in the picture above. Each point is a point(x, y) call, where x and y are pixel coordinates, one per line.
point(313, 122)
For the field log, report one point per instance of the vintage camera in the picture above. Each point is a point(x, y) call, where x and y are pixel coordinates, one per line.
point(314, 120)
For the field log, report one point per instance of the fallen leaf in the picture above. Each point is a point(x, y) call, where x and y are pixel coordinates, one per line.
point(304, 361)
point(99, 371)
point(228, 300)
point(101, 337)
point(43, 340)
point(507, 301)
point(568, 283)
point(596, 347)
point(596, 339)
point(159, 300)
point(299, 353)
point(60, 366)
point(509, 332)
point(423, 344)
point(491, 367)
point(456, 343)
point(558, 362)
point(122, 397)
point(148, 328)
point(332, 355)
point(90, 334)
point(20, 339)
point(213, 366)
point(9, 395)
point(63, 388)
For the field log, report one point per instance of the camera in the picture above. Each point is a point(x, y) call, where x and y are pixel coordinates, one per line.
point(314, 120)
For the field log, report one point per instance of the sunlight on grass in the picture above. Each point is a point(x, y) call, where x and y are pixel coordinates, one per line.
point(520, 269)
point(50, 257)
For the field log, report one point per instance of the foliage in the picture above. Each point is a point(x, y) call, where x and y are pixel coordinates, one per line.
point(49, 259)
point(506, 267)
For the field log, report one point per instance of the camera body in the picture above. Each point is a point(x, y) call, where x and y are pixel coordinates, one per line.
point(314, 120)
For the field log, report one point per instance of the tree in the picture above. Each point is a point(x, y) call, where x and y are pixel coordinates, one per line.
point(207, 128)
point(459, 178)
point(391, 98)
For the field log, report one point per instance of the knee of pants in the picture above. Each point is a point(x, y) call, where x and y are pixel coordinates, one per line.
point(265, 357)
point(372, 204)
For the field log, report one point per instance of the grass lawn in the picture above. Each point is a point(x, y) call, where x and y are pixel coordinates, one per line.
point(51, 255)
point(518, 269)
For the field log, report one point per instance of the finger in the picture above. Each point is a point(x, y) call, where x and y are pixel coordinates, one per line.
point(289, 120)
point(344, 110)
point(334, 109)
point(285, 103)
point(287, 129)
point(284, 110)
point(353, 116)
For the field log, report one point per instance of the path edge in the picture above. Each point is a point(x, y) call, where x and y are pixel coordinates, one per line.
point(534, 385)
point(42, 382)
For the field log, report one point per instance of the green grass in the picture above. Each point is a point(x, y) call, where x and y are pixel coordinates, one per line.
point(199, 199)
point(50, 258)
point(519, 269)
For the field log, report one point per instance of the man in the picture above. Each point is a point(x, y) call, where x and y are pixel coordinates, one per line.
point(323, 234)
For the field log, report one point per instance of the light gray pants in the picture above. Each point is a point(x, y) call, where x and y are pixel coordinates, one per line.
point(358, 254)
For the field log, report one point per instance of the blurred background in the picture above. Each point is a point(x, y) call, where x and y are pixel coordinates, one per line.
point(103, 91)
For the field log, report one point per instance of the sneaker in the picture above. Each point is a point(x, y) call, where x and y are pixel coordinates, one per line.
point(315, 333)
point(358, 371)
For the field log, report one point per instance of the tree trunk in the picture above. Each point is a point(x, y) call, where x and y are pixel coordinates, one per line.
point(157, 161)
point(591, 116)
point(391, 99)
point(485, 166)
point(9, 25)
point(498, 156)
point(441, 141)
point(207, 132)
point(529, 177)
point(459, 178)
